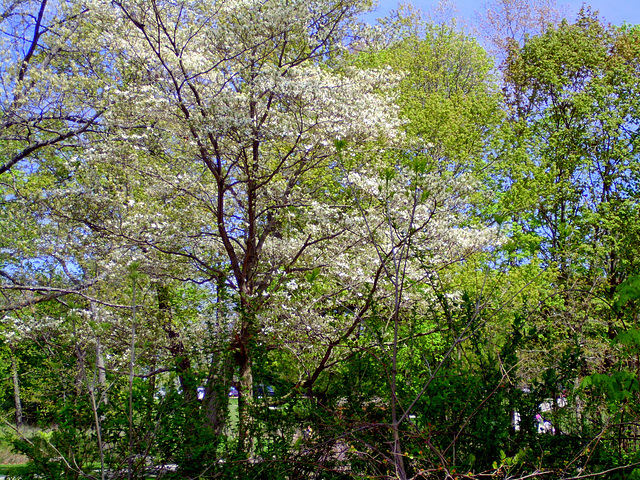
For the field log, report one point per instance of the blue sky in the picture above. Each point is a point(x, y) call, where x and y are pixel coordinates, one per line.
point(611, 11)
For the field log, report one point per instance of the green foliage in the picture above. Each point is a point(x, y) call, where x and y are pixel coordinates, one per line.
point(571, 96)
point(617, 387)
point(445, 95)
point(628, 291)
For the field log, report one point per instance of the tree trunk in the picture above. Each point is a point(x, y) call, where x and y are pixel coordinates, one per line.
point(220, 370)
point(102, 377)
point(132, 360)
point(16, 388)
point(242, 354)
point(245, 394)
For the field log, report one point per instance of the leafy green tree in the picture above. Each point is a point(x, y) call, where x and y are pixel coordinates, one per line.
point(574, 186)
point(571, 188)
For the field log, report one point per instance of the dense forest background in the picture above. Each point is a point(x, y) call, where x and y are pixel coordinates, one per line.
point(260, 239)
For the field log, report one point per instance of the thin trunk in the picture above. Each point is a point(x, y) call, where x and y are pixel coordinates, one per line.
point(245, 393)
point(102, 377)
point(96, 418)
point(80, 353)
point(100, 368)
point(98, 383)
point(131, 374)
point(395, 423)
point(16, 388)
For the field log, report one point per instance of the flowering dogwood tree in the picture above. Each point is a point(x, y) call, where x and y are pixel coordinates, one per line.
point(222, 126)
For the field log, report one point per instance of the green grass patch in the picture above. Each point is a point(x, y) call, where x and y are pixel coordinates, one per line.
point(233, 415)
point(12, 469)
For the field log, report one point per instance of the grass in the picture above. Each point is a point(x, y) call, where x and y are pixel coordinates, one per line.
point(233, 412)
point(10, 469)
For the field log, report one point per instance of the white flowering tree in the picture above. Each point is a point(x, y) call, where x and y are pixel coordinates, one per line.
point(410, 223)
point(219, 163)
point(416, 213)
point(412, 213)
point(50, 99)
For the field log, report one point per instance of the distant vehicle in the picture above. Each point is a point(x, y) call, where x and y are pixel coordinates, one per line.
point(233, 391)
point(261, 389)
